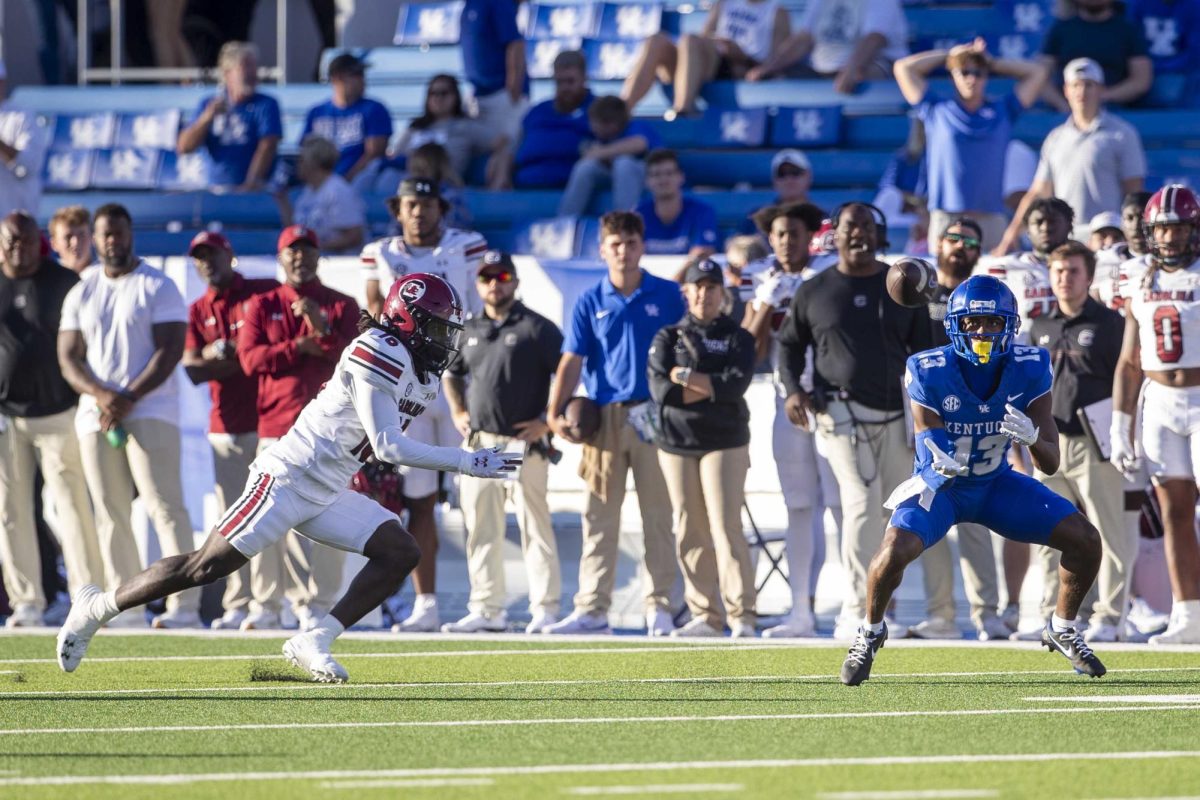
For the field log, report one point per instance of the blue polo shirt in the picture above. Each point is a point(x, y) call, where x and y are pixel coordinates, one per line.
point(613, 333)
point(964, 151)
point(550, 144)
point(235, 134)
point(486, 29)
point(696, 226)
point(348, 127)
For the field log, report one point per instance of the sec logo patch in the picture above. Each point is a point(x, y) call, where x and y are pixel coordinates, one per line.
point(951, 403)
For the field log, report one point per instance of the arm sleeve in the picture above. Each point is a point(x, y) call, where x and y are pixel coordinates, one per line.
point(255, 352)
point(194, 340)
point(552, 345)
point(383, 424)
point(580, 336)
point(370, 262)
point(1138, 46)
point(883, 17)
point(658, 369)
point(270, 123)
point(917, 389)
point(343, 327)
point(378, 121)
point(308, 122)
point(732, 382)
point(68, 319)
point(504, 15)
point(1132, 155)
point(794, 339)
point(168, 304)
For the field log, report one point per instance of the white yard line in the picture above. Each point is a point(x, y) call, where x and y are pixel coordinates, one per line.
point(347, 687)
point(919, 794)
point(414, 783)
point(1119, 698)
point(655, 789)
point(489, 723)
point(572, 769)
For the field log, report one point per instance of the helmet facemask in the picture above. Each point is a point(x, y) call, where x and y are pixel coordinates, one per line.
point(982, 346)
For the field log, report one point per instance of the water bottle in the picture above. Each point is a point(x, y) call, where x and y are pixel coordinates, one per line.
point(117, 437)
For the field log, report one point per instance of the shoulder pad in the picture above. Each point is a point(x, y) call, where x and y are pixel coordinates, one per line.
point(380, 358)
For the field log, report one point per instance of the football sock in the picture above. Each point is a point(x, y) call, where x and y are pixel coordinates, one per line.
point(1060, 625)
point(874, 628)
point(328, 629)
point(1187, 609)
point(425, 601)
point(798, 538)
point(108, 606)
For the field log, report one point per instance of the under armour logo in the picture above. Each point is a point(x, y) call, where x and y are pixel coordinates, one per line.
point(806, 125)
point(1162, 34)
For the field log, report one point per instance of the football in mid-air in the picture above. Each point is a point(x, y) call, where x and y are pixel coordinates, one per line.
point(911, 282)
point(583, 417)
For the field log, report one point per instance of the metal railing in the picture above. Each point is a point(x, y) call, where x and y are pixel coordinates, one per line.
point(117, 73)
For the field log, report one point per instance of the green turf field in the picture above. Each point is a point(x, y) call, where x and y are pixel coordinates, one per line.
point(170, 716)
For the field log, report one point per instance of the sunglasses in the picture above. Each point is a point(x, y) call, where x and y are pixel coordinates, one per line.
point(789, 172)
point(972, 73)
point(502, 277)
point(968, 241)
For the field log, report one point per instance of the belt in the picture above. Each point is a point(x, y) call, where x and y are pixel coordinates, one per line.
point(627, 403)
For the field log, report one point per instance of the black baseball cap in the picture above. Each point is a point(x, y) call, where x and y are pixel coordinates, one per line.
point(705, 270)
point(347, 64)
point(418, 187)
point(496, 259)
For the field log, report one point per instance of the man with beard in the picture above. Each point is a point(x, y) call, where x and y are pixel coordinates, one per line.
point(861, 339)
point(957, 254)
point(1123, 263)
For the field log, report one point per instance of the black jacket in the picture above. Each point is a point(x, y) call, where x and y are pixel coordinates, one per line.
point(31, 383)
point(723, 351)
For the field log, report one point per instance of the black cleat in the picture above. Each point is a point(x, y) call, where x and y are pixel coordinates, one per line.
point(1071, 644)
point(857, 666)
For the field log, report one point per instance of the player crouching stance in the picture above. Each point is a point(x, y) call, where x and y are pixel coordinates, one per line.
point(384, 378)
point(970, 400)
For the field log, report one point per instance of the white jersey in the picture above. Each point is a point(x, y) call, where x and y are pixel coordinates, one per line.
point(456, 258)
point(1168, 317)
point(1029, 279)
point(768, 268)
point(1117, 273)
point(751, 26)
point(329, 443)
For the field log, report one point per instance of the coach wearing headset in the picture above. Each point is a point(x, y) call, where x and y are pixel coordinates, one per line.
point(861, 339)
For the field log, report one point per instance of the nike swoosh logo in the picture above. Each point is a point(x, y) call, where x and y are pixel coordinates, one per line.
point(1012, 397)
point(603, 314)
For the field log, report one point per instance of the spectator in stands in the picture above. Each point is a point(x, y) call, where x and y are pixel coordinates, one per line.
point(860, 340)
point(120, 337)
point(24, 138)
point(327, 204)
point(291, 338)
point(1084, 340)
point(1091, 161)
point(676, 224)
point(554, 131)
point(494, 62)
point(850, 41)
point(210, 356)
point(510, 353)
point(239, 126)
point(430, 162)
point(358, 126)
point(791, 177)
point(612, 159)
point(608, 340)
point(1171, 28)
point(445, 122)
point(1105, 231)
point(37, 425)
point(699, 371)
point(1100, 33)
point(71, 237)
point(967, 135)
point(738, 36)
point(165, 20)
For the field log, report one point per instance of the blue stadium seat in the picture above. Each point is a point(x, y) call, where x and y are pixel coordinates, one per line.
point(587, 239)
point(733, 128)
point(561, 20)
point(540, 55)
point(241, 210)
point(807, 126)
point(185, 173)
point(148, 209)
point(80, 131)
point(126, 168)
point(610, 61)
point(68, 169)
point(632, 21)
point(730, 168)
point(408, 64)
point(159, 129)
point(548, 238)
point(428, 23)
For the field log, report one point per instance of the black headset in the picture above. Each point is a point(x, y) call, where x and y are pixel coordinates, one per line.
point(881, 226)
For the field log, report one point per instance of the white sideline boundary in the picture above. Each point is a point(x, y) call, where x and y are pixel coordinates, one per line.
point(539, 721)
point(817, 677)
point(654, 789)
point(572, 769)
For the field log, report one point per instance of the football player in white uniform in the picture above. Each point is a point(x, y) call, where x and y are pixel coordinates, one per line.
point(1162, 345)
point(425, 245)
point(805, 477)
point(1124, 263)
point(383, 381)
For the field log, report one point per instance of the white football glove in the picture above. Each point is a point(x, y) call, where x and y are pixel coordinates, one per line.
point(1019, 427)
point(1124, 455)
point(946, 465)
point(772, 291)
point(926, 483)
point(491, 462)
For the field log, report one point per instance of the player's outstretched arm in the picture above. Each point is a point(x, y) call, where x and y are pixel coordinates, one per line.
point(936, 460)
point(1127, 385)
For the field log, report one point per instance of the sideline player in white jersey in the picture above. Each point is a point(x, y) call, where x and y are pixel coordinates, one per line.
point(425, 245)
point(1162, 345)
point(805, 477)
point(383, 381)
point(1124, 263)
point(1048, 223)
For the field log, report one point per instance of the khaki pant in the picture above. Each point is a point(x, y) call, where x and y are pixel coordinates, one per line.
point(707, 493)
point(867, 470)
point(483, 512)
point(232, 454)
point(978, 562)
point(150, 461)
point(49, 442)
point(602, 521)
point(314, 571)
point(1095, 486)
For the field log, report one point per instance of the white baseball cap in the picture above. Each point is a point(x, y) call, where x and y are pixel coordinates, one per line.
point(1083, 69)
point(1105, 219)
point(790, 156)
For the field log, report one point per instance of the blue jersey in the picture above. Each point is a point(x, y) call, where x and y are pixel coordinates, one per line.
point(934, 379)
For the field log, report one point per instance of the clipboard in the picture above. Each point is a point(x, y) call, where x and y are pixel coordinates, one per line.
point(1097, 422)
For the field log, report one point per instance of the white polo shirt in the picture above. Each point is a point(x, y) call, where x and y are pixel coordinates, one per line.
point(117, 317)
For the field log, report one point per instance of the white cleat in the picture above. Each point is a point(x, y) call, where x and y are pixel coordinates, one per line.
point(792, 628)
point(541, 620)
point(935, 628)
point(698, 628)
point(475, 622)
point(303, 651)
point(85, 619)
point(1181, 630)
point(231, 620)
point(24, 617)
point(741, 629)
point(994, 629)
point(269, 621)
point(177, 618)
point(580, 622)
point(423, 619)
point(659, 623)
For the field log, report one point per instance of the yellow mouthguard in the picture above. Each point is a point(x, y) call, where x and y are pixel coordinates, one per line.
point(983, 349)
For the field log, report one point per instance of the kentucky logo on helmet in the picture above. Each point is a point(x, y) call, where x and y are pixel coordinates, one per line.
point(412, 291)
point(982, 305)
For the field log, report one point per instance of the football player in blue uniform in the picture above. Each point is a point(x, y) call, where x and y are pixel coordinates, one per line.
point(970, 401)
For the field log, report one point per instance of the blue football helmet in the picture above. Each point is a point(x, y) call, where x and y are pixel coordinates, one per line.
point(977, 296)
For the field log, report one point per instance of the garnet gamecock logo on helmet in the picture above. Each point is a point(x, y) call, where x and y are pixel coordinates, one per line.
point(412, 291)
